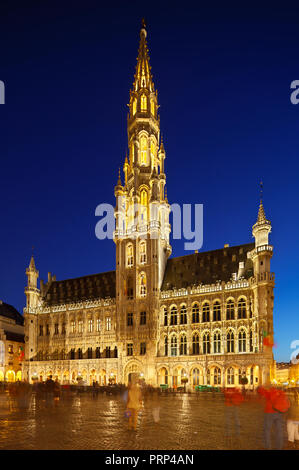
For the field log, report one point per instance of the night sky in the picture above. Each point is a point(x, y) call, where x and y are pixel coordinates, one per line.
point(223, 74)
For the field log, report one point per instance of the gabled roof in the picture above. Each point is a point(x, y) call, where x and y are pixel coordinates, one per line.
point(207, 267)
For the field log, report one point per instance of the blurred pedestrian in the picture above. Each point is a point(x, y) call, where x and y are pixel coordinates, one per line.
point(293, 420)
point(57, 391)
point(276, 405)
point(134, 403)
point(156, 406)
point(50, 386)
point(233, 399)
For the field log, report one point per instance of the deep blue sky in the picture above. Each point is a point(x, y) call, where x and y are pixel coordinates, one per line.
point(223, 75)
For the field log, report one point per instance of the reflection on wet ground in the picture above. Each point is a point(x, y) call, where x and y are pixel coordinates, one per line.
point(85, 422)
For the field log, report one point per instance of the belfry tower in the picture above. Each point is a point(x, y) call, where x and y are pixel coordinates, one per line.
point(142, 220)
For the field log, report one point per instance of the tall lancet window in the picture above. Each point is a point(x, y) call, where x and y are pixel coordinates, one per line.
point(143, 150)
point(142, 252)
point(134, 107)
point(143, 102)
point(153, 153)
point(143, 209)
point(153, 108)
point(130, 256)
point(142, 284)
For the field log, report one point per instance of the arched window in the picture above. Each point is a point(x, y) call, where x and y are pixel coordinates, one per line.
point(195, 344)
point(206, 343)
point(242, 308)
point(173, 346)
point(183, 345)
point(142, 252)
point(142, 284)
point(230, 310)
point(143, 150)
point(195, 313)
point(183, 315)
point(208, 377)
point(230, 376)
point(217, 343)
point(242, 341)
point(143, 102)
point(130, 256)
point(216, 311)
point(217, 376)
point(230, 342)
point(173, 316)
point(206, 312)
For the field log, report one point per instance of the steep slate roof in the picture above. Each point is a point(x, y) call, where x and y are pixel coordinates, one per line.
point(9, 311)
point(95, 286)
point(206, 267)
point(196, 268)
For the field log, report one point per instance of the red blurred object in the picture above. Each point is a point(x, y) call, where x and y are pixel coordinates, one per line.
point(233, 397)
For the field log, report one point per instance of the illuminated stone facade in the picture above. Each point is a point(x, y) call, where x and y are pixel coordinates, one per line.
point(200, 318)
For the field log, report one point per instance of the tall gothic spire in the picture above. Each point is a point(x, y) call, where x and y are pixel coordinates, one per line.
point(143, 77)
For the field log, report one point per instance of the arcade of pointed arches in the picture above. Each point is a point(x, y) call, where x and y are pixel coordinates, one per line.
point(215, 375)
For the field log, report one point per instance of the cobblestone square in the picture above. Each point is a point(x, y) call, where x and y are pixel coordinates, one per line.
point(81, 421)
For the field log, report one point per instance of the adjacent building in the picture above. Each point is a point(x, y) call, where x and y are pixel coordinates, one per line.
point(12, 343)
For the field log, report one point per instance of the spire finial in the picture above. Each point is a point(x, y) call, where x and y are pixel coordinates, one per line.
point(119, 178)
point(261, 190)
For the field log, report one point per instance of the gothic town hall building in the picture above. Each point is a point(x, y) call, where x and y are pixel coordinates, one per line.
point(199, 318)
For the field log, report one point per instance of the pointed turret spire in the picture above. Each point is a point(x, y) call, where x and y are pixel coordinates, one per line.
point(32, 264)
point(261, 217)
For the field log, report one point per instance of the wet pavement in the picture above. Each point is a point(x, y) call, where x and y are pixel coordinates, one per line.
point(80, 421)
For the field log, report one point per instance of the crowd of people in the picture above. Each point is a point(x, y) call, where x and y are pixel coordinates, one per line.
point(281, 407)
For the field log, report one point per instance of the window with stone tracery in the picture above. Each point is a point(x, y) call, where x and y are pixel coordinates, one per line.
point(230, 310)
point(242, 341)
point(130, 256)
point(217, 343)
point(142, 252)
point(142, 284)
point(230, 342)
point(242, 308)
